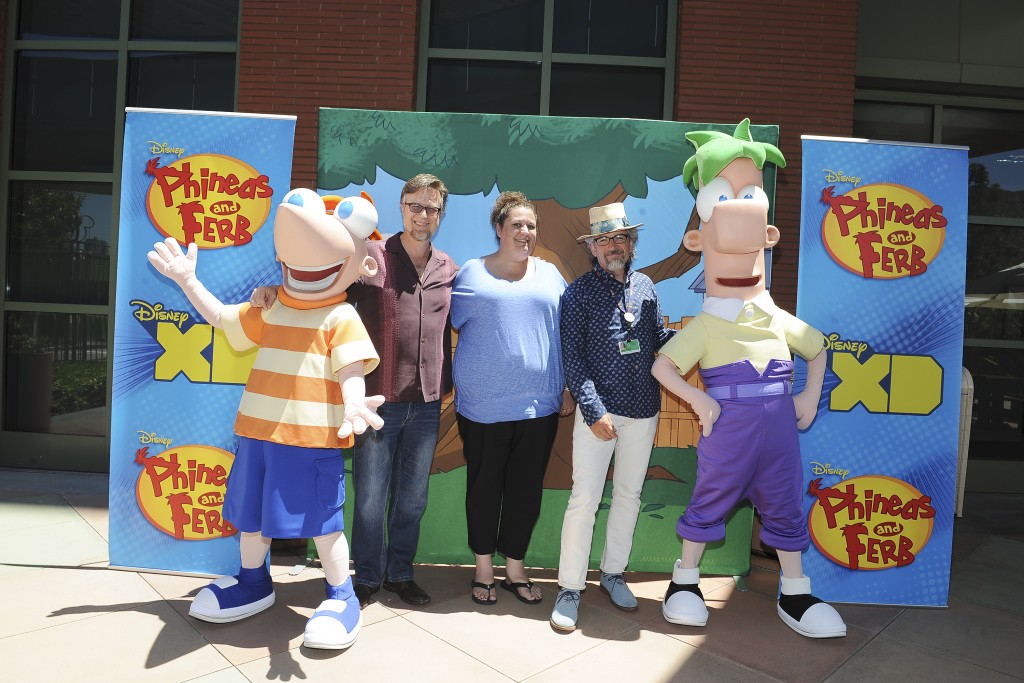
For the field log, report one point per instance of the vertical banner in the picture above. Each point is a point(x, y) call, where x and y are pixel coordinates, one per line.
point(213, 179)
point(882, 274)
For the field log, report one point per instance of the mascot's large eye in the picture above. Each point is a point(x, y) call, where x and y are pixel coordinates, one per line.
point(718, 190)
point(358, 215)
point(753, 193)
point(305, 198)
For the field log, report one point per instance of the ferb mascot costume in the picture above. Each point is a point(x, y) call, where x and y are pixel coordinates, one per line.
point(304, 399)
point(742, 343)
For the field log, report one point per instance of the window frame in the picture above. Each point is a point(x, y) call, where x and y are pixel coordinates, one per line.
point(986, 474)
point(546, 58)
point(76, 452)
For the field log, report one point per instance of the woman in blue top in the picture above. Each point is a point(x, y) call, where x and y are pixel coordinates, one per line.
point(509, 392)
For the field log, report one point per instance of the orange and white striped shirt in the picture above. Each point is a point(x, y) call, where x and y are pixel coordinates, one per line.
point(293, 396)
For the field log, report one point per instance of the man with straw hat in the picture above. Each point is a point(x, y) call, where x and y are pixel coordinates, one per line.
point(611, 326)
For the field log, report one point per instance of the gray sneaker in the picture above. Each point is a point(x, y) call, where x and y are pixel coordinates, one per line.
point(615, 586)
point(566, 611)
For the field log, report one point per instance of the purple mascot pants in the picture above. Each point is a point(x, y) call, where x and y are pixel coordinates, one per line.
point(753, 452)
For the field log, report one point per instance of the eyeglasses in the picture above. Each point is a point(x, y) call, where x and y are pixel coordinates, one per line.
point(621, 238)
point(419, 208)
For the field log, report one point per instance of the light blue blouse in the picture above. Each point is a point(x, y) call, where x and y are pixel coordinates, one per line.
point(508, 360)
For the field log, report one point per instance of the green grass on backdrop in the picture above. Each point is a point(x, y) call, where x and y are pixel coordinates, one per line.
point(655, 546)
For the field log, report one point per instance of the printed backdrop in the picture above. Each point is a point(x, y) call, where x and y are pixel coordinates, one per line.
point(565, 165)
point(882, 262)
point(213, 179)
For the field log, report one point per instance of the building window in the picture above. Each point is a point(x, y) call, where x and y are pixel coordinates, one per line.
point(69, 19)
point(994, 312)
point(516, 25)
point(74, 72)
point(893, 121)
point(185, 20)
point(995, 289)
point(58, 247)
point(994, 298)
point(606, 27)
point(181, 80)
point(564, 58)
point(477, 85)
point(996, 139)
point(629, 92)
point(55, 373)
point(64, 111)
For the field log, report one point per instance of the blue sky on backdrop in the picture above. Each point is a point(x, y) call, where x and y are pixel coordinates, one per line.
point(465, 233)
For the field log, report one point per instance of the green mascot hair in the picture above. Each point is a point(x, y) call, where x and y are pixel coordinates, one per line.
point(717, 150)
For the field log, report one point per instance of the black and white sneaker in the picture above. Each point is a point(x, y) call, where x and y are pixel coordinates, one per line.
point(807, 615)
point(684, 603)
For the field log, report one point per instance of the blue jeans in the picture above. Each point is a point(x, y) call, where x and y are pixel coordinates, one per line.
point(390, 468)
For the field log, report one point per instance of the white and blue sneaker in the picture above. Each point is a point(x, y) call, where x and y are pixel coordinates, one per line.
point(336, 622)
point(232, 598)
point(807, 615)
point(684, 603)
point(615, 586)
point(567, 610)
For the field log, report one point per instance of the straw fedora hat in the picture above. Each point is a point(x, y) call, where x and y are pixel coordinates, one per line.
point(608, 220)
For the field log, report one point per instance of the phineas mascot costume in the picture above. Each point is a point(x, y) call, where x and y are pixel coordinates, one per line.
point(743, 344)
point(304, 399)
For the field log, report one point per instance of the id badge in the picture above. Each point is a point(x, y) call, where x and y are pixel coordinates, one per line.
point(628, 347)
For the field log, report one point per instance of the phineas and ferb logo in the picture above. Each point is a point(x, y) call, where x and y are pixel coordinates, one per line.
point(870, 522)
point(180, 490)
point(882, 231)
point(213, 200)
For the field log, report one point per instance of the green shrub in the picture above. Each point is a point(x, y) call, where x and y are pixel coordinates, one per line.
point(78, 385)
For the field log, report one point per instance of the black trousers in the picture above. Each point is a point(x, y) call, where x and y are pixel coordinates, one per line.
point(505, 465)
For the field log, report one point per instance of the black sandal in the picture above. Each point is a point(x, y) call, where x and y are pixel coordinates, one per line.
point(487, 587)
point(514, 589)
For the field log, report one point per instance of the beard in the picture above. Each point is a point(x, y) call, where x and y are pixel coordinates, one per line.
point(616, 262)
point(419, 234)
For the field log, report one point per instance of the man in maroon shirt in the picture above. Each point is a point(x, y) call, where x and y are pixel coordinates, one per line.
point(404, 307)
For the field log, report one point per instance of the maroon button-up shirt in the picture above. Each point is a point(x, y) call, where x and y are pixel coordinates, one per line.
point(407, 318)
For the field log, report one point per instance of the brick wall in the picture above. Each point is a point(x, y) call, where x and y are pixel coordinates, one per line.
point(790, 63)
point(297, 57)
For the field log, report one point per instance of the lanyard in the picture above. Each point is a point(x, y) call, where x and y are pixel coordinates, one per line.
point(625, 305)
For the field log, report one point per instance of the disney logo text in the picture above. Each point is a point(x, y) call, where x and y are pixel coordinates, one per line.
point(834, 343)
point(147, 312)
point(839, 177)
point(819, 468)
point(165, 148)
point(151, 437)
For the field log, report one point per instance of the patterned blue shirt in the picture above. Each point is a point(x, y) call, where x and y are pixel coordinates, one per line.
point(594, 324)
